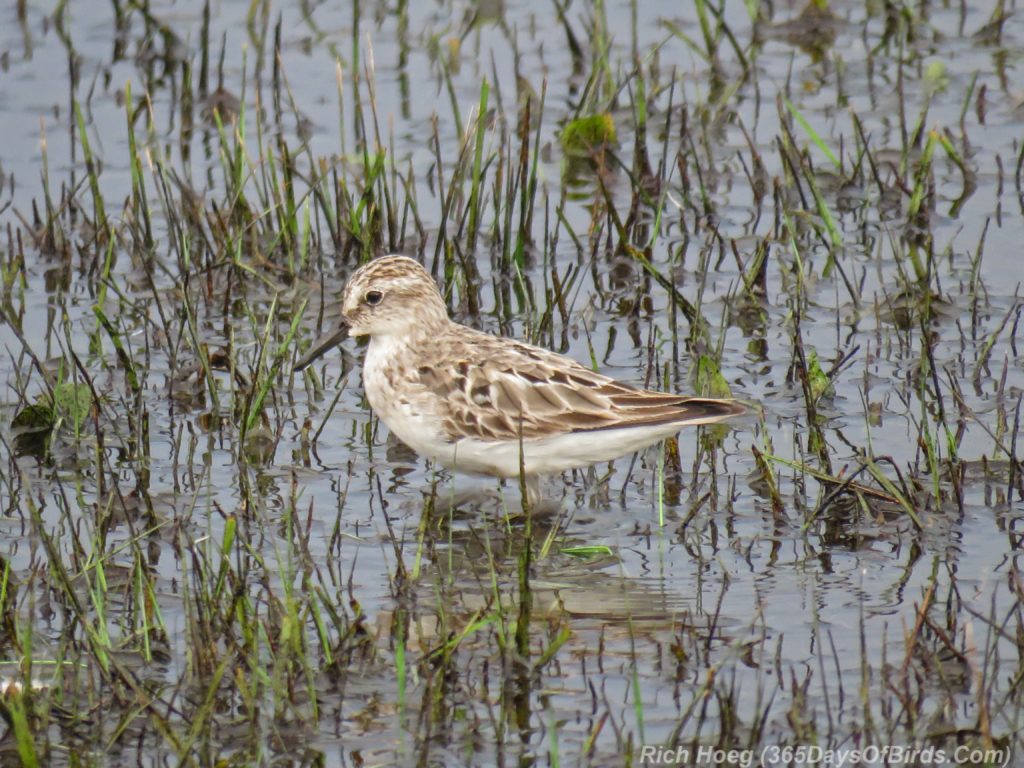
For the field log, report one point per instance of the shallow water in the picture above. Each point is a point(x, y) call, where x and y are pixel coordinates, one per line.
point(729, 623)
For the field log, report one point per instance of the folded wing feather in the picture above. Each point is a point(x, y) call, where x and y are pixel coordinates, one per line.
point(495, 400)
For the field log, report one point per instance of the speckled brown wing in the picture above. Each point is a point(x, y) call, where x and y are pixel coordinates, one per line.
point(504, 391)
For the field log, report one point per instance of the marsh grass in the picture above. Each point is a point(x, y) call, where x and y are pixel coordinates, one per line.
point(210, 560)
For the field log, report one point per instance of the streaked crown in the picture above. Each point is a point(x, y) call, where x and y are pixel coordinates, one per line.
point(393, 295)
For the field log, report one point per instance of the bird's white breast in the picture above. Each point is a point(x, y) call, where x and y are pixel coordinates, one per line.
point(409, 412)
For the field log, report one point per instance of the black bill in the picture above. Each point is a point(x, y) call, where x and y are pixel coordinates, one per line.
point(323, 345)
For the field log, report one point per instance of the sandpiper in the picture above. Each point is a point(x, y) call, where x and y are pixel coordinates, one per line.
point(490, 405)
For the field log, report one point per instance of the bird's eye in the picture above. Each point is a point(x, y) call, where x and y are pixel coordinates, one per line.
point(373, 298)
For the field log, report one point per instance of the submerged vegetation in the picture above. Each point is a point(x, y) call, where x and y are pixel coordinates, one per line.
point(206, 558)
